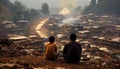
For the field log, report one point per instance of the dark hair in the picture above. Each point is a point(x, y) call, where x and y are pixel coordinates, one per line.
point(51, 39)
point(73, 37)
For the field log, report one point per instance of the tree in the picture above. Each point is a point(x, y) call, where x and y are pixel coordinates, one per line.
point(104, 7)
point(17, 6)
point(30, 14)
point(34, 12)
point(45, 9)
point(17, 9)
point(5, 3)
point(0, 7)
point(4, 10)
point(27, 14)
point(93, 2)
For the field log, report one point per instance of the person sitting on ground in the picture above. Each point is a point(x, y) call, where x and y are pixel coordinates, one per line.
point(72, 50)
point(51, 49)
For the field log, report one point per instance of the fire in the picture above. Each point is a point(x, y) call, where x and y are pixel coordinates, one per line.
point(65, 11)
point(37, 29)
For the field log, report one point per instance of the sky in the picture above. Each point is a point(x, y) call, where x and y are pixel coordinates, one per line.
point(36, 4)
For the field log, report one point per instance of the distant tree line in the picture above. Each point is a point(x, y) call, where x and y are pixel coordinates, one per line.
point(17, 11)
point(103, 7)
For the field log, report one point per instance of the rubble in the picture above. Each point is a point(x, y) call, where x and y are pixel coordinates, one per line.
point(100, 45)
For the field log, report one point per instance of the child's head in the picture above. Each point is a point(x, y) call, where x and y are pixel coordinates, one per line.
point(51, 39)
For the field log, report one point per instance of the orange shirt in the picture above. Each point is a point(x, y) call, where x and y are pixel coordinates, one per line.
point(50, 50)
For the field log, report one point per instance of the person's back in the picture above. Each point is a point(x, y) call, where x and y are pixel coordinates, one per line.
point(51, 49)
point(72, 51)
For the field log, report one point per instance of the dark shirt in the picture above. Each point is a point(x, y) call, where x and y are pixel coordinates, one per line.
point(72, 52)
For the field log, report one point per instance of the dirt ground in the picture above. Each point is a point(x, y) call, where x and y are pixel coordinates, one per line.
point(38, 62)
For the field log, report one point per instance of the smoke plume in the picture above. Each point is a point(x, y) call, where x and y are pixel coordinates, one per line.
point(68, 6)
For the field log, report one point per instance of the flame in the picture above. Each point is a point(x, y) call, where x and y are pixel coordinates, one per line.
point(37, 29)
point(65, 11)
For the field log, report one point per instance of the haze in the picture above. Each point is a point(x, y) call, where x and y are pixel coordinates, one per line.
point(36, 4)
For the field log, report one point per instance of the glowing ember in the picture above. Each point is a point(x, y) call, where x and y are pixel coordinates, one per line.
point(41, 23)
point(65, 11)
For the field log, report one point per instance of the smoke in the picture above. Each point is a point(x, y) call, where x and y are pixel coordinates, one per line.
point(70, 20)
point(65, 11)
point(89, 0)
point(68, 6)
